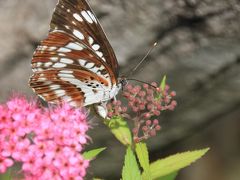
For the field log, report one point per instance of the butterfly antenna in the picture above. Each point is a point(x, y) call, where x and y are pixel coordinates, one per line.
point(142, 82)
point(143, 59)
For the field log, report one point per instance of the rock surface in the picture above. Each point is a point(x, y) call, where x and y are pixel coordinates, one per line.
point(199, 50)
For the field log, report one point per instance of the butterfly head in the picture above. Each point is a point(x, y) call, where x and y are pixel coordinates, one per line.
point(122, 82)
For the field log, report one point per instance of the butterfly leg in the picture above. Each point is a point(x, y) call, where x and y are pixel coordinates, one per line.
point(115, 99)
point(101, 109)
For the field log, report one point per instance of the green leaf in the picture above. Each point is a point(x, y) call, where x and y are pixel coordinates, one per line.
point(174, 163)
point(120, 129)
point(89, 155)
point(7, 175)
point(142, 154)
point(162, 87)
point(171, 176)
point(130, 169)
point(163, 83)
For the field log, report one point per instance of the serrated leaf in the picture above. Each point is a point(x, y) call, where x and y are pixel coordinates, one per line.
point(89, 155)
point(142, 154)
point(7, 175)
point(174, 163)
point(162, 87)
point(171, 176)
point(163, 83)
point(120, 130)
point(130, 169)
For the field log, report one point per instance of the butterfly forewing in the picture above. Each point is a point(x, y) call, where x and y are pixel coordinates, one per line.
point(77, 18)
point(75, 63)
point(60, 50)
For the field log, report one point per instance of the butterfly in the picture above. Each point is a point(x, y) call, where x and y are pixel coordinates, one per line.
point(76, 63)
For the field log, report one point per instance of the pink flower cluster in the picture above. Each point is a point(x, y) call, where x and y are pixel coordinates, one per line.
point(46, 141)
point(144, 105)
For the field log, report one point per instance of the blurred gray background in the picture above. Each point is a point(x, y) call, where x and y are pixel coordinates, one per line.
point(199, 51)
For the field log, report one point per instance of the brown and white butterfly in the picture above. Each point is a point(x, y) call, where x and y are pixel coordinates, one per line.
point(75, 63)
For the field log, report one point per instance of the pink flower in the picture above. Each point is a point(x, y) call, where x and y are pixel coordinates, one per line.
point(144, 104)
point(47, 141)
point(5, 163)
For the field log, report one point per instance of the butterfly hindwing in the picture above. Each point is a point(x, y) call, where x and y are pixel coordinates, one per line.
point(76, 87)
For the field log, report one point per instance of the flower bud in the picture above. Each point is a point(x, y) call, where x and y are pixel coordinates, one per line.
point(130, 104)
point(135, 131)
point(155, 122)
point(167, 87)
point(114, 103)
point(148, 122)
point(174, 103)
point(129, 87)
point(153, 133)
point(173, 94)
point(149, 98)
point(158, 128)
point(144, 128)
point(124, 109)
point(119, 103)
point(126, 94)
point(135, 109)
point(110, 114)
point(146, 86)
point(131, 98)
point(147, 115)
point(158, 89)
point(159, 107)
point(167, 100)
point(149, 92)
point(142, 94)
point(156, 112)
point(149, 107)
point(136, 140)
point(154, 84)
point(141, 107)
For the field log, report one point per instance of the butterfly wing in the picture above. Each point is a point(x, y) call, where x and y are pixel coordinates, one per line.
point(76, 17)
point(75, 63)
